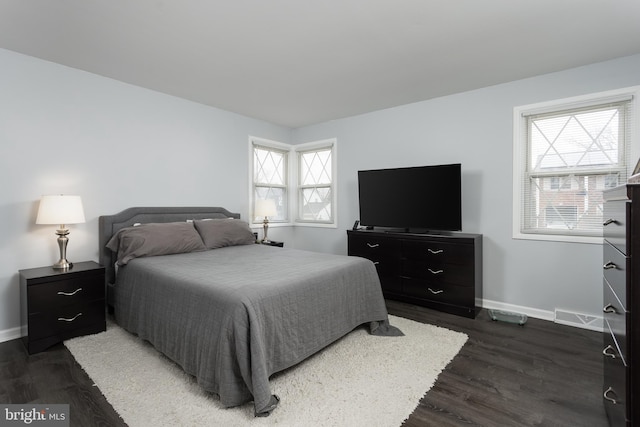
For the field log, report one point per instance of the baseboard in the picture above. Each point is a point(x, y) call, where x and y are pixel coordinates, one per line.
point(560, 316)
point(10, 334)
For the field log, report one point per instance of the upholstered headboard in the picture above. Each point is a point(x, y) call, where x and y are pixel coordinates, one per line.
point(110, 224)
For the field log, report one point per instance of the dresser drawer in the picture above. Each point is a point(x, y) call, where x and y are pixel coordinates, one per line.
point(615, 218)
point(611, 348)
point(372, 247)
point(614, 265)
point(435, 251)
point(615, 318)
point(64, 292)
point(614, 390)
point(438, 272)
point(66, 319)
point(442, 293)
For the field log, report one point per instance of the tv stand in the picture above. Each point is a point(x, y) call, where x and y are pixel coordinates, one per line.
point(441, 270)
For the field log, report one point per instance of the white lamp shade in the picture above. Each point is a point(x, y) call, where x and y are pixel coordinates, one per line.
point(60, 209)
point(265, 207)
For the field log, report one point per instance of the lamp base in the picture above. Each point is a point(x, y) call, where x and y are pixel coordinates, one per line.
point(63, 264)
point(265, 226)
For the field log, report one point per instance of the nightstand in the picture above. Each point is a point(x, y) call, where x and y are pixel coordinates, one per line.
point(56, 305)
point(273, 243)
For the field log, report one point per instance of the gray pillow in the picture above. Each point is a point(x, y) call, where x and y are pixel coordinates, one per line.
point(218, 233)
point(155, 239)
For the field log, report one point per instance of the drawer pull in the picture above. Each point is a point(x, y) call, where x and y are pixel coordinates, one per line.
point(609, 265)
point(606, 352)
point(609, 221)
point(373, 245)
point(69, 294)
point(63, 319)
point(609, 308)
point(436, 292)
point(438, 251)
point(435, 271)
point(610, 399)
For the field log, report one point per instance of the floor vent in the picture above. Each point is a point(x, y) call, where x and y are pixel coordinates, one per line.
point(579, 320)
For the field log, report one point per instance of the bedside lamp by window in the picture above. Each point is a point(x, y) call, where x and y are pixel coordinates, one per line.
point(61, 210)
point(265, 208)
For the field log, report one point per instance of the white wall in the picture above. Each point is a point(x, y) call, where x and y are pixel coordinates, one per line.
point(475, 129)
point(67, 131)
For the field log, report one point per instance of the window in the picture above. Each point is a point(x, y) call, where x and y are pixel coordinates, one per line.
point(313, 200)
point(316, 183)
point(270, 177)
point(565, 154)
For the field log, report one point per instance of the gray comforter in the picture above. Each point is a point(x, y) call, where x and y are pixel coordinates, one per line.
point(234, 316)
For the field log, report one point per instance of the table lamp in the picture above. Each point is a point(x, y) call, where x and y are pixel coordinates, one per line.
point(265, 208)
point(61, 210)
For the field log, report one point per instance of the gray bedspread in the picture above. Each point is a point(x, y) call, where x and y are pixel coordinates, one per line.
point(234, 316)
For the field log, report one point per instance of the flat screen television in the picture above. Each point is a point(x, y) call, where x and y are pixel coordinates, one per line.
point(422, 198)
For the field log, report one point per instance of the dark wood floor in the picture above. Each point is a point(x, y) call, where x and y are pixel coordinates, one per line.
point(540, 374)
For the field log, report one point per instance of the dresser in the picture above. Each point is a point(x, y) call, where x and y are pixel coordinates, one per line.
point(440, 271)
point(60, 304)
point(621, 305)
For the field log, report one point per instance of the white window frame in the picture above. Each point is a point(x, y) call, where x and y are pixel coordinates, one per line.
point(327, 144)
point(520, 145)
point(293, 178)
point(275, 146)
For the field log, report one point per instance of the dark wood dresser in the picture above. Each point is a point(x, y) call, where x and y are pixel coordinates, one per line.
point(621, 305)
point(440, 271)
point(60, 304)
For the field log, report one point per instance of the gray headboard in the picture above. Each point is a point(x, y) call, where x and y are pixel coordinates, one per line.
point(109, 224)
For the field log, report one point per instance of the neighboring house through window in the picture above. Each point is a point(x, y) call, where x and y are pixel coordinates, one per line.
point(565, 154)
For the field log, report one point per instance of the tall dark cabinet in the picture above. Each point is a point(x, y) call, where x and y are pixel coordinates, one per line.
point(441, 271)
point(621, 305)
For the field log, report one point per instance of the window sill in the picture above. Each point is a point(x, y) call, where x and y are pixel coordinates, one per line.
point(594, 240)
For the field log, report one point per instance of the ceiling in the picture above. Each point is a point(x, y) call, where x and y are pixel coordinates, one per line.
point(296, 63)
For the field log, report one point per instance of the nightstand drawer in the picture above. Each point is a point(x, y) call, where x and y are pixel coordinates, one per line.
point(56, 305)
point(64, 292)
point(65, 319)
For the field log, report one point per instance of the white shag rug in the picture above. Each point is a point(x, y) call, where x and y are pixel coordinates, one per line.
point(361, 380)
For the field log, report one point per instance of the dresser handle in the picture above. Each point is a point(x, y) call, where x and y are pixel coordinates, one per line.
point(436, 292)
point(606, 352)
point(62, 319)
point(435, 271)
point(438, 251)
point(615, 402)
point(609, 308)
point(373, 245)
point(67, 294)
point(609, 265)
point(609, 221)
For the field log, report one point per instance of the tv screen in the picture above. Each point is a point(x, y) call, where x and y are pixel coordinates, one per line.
point(424, 197)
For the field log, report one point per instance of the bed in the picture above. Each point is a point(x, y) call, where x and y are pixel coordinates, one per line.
point(231, 312)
